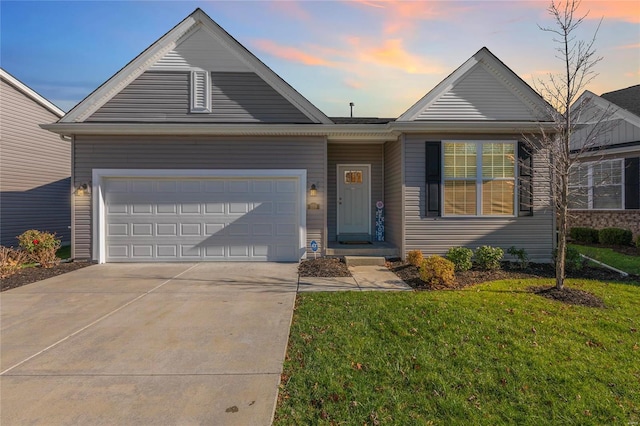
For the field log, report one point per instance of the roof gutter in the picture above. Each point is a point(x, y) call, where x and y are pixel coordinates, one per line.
point(336, 132)
point(370, 132)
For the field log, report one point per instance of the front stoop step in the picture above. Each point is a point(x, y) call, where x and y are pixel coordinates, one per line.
point(364, 261)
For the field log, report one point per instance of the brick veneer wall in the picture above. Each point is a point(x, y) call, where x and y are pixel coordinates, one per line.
point(598, 219)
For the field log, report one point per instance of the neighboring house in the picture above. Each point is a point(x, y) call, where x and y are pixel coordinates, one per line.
point(606, 185)
point(196, 150)
point(35, 165)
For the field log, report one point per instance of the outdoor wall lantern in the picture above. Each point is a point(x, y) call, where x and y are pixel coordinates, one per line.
point(313, 191)
point(83, 189)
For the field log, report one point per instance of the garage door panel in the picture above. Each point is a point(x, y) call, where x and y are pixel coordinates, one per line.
point(202, 219)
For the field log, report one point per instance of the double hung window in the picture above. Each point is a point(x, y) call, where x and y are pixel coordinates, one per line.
point(479, 178)
point(597, 185)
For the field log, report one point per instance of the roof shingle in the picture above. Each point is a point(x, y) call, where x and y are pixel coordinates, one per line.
point(628, 98)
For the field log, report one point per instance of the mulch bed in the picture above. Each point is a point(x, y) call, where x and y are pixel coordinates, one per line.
point(36, 273)
point(571, 296)
point(410, 274)
point(323, 267)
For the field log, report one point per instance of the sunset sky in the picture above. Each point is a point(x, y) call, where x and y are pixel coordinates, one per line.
point(381, 55)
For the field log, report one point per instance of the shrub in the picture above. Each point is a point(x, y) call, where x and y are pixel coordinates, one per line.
point(488, 257)
point(11, 260)
point(461, 258)
point(573, 260)
point(41, 247)
point(615, 236)
point(584, 235)
point(522, 258)
point(638, 242)
point(436, 270)
point(415, 257)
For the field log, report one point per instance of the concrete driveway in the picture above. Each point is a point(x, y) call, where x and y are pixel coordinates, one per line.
point(199, 343)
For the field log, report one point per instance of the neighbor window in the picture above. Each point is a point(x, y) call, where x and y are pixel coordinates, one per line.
point(597, 185)
point(479, 178)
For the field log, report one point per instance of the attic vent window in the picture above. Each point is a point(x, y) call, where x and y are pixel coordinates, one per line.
point(200, 91)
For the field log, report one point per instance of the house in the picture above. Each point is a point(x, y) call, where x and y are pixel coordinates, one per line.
point(35, 165)
point(196, 150)
point(607, 180)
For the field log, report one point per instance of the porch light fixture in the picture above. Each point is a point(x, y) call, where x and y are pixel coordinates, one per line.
point(313, 191)
point(82, 189)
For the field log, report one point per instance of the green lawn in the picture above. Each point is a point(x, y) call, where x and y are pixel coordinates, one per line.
point(626, 263)
point(491, 354)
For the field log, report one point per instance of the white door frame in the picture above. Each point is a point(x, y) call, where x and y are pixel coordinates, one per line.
point(339, 183)
point(99, 252)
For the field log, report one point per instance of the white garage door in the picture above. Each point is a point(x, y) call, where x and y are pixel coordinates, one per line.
point(201, 219)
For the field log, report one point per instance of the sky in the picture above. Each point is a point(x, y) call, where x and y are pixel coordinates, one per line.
point(381, 55)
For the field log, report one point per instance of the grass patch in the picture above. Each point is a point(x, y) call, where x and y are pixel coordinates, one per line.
point(491, 354)
point(624, 262)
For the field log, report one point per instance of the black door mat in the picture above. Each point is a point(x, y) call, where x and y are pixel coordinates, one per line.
point(354, 243)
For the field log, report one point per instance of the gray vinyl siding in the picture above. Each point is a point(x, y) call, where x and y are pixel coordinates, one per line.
point(436, 235)
point(393, 193)
point(35, 170)
point(353, 154)
point(610, 133)
point(201, 50)
point(104, 152)
point(163, 96)
point(478, 96)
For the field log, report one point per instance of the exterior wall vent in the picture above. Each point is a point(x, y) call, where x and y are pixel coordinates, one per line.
point(200, 91)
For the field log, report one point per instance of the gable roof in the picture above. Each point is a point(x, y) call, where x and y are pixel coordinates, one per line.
point(483, 88)
point(195, 26)
point(605, 105)
point(628, 98)
point(30, 93)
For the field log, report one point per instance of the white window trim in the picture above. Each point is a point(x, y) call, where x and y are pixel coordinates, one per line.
point(99, 252)
point(590, 185)
point(478, 179)
point(207, 89)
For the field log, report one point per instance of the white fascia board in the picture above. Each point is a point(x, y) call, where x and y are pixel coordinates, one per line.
point(610, 152)
point(130, 72)
point(167, 43)
point(27, 91)
point(435, 93)
point(483, 57)
point(522, 90)
point(605, 105)
point(470, 127)
point(263, 71)
point(331, 131)
point(99, 207)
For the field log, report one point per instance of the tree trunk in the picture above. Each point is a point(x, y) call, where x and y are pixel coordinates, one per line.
point(563, 212)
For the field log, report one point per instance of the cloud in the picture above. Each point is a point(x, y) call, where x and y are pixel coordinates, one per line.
point(405, 15)
point(628, 46)
point(616, 10)
point(291, 54)
point(392, 54)
point(292, 9)
point(359, 54)
point(626, 10)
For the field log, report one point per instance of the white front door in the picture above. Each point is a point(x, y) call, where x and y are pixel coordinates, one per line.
point(354, 199)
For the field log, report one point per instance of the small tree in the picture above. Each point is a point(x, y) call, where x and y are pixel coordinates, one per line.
point(561, 91)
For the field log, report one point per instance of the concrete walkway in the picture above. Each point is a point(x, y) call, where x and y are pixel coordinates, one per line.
point(148, 344)
point(364, 278)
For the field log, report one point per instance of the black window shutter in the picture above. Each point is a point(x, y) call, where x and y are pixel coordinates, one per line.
point(525, 179)
point(433, 161)
point(632, 183)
